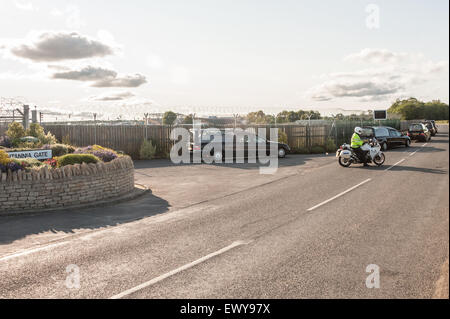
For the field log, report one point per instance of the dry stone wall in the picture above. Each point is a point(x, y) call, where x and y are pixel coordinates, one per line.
point(66, 186)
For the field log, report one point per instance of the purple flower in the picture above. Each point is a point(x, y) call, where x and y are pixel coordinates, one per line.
point(13, 166)
point(105, 156)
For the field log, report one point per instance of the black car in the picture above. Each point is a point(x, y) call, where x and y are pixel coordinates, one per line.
point(388, 137)
point(242, 145)
point(419, 132)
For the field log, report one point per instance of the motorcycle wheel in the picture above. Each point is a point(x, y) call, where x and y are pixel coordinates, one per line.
point(345, 162)
point(379, 160)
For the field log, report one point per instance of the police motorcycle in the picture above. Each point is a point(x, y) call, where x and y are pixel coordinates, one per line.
point(346, 155)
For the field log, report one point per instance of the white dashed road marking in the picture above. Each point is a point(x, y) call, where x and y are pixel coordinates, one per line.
point(178, 270)
point(339, 195)
point(399, 162)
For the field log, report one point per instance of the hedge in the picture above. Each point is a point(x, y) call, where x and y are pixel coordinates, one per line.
point(71, 159)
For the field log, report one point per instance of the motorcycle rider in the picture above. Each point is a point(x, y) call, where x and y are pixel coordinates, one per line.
point(356, 144)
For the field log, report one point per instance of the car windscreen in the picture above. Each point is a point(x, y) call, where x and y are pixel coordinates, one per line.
point(381, 132)
point(367, 132)
point(416, 128)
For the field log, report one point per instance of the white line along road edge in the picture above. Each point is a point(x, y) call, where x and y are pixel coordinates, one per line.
point(399, 162)
point(339, 195)
point(31, 251)
point(180, 269)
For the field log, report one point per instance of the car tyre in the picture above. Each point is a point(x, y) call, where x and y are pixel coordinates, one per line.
point(384, 147)
point(281, 153)
point(407, 143)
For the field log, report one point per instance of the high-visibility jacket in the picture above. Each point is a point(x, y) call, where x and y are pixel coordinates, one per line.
point(357, 142)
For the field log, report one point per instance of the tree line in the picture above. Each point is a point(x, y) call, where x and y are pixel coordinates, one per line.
point(409, 109)
point(413, 109)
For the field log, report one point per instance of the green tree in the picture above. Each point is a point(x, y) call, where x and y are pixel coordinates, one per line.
point(15, 132)
point(189, 119)
point(35, 130)
point(169, 118)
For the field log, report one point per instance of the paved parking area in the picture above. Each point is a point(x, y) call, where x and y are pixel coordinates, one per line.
point(188, 184)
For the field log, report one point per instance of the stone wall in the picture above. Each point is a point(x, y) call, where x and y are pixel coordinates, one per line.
point(66, 186)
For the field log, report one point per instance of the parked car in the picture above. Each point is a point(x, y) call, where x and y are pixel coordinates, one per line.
point(419, 132)
point(431, 127)
point(435, 126)
point(241, 144)
point(388, 137)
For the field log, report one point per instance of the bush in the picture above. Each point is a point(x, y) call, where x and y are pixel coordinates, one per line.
point(52, 163)
point(71, 159)
point(11, 166)
point(4, 158)
point(29, 145)
point(5, 141)
point(317, 150)
point(104, 154)
point(35, 130)
point(66, 140)
point(27, 162)
point(282, 137)
point(48, 138)
point(59, 149)
point(147, 151)
point(15, 132)
point(301, 150)
point(331, 147)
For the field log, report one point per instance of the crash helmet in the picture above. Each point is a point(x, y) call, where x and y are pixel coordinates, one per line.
point(358, 130)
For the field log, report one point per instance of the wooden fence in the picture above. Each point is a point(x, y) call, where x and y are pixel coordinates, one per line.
point(128, 139)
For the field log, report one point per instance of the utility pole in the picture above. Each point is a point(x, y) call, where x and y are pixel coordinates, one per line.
point(95, 128)
point(26, 116)
point(34, 115)
point(146, 124)
point(235, 120)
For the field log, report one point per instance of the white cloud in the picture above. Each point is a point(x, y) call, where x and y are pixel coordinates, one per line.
point(364, 89)
point(121, 81)
point(395, 74)
point(101, 77)
point(74, 20)
point(113, 96)
point(56, 12)
point(58, 46)
point(374, 56)
point(88, 73)
point(25, 6)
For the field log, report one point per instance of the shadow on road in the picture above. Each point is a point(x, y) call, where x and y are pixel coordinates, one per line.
point(13, 228)
point(418, 169)
point(290, 160)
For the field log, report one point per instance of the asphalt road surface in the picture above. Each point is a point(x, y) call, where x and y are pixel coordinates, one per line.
point(225, 231)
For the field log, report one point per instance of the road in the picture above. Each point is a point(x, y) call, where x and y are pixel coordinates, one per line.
point(225, 231)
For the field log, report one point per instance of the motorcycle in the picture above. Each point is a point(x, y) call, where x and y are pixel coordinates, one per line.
point(372, 149)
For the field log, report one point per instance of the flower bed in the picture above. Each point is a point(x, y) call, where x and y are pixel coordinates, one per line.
point(73, 176)
point(66, 186)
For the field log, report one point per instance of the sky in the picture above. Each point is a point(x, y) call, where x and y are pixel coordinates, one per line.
point(127, 58)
